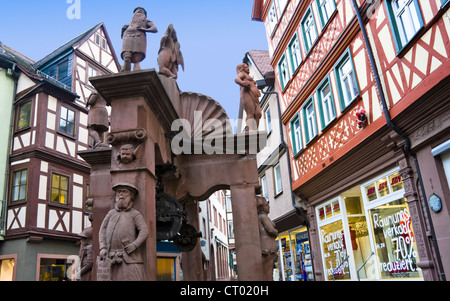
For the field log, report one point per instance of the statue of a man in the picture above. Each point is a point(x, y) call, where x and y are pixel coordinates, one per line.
point(249, 97)
point(122, 232)
point(86, 255)
point(98, 119)
point(268, 234)
point(134, 35)
point(169, 55)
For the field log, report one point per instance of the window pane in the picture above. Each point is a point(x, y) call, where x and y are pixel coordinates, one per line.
point(395, 243)
point(63, 69)
point(334, 251)
point(24, 116)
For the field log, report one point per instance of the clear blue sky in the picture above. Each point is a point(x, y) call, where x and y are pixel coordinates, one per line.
point(214, 35)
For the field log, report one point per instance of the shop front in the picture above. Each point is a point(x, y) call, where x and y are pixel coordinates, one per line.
point(294, 256)
point(366, 233)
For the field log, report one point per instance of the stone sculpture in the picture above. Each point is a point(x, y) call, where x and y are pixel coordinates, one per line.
point(122, 232)
point(98, 120)
point(268, 234)
point(169, 55)
point(134, 35)
point(86, 255)
point(249, 97)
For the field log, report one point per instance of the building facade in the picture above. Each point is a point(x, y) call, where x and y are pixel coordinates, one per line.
point(364, 99)
point(48, 183)
point(214, 240)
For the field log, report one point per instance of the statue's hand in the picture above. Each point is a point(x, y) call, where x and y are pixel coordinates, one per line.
point(130, 248)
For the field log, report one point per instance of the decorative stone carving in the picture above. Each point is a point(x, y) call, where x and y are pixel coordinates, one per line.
point(127, 147)
point(268, 234)
point(169, 55)
point(122, 232)
point(86, 255)
point(249, 97)
point(98, 120)
point(134, 46)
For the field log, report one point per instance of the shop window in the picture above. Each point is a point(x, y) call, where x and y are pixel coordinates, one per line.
point(67, 121)
point(394, 240)
point(346, 80)
point(24, 121)
point(309, 117)
point(284, 71)
point(295, 52)
point(19, 186)
point(309, 29)
point(366, 233)
point(406, 20)
point(60, 189)
point(7, 269)
point(326, 9)
point(166, 268)
point(327, 109)
point(51, 269)
point(294, 260)
point(296, 134)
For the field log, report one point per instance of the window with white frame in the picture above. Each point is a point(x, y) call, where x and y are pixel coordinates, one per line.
point(346, 80)
point(284, 71)
point(273, 19)
point(326, 103)
point(309, 114)
point(296, 133)
point(309, 29)
point(277, 178)
point(295, 52)
point(406, 20)
point(67, 121)
point(268, 119)
point(264, 187)
point(326, 9)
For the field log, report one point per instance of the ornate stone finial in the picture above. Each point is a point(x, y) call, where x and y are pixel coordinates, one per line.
point(169, 55)
point(249, 97)
point(134, 46)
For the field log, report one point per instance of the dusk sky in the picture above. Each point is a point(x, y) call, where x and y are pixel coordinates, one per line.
point(214, 35)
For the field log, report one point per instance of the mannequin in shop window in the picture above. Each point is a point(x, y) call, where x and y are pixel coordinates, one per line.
point(268, 234)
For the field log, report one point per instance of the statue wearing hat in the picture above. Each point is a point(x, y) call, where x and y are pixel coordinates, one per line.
point(122, 232)
point(134, 46)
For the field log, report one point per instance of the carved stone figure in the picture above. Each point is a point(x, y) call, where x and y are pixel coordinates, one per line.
point(122, 232)
point(86, 255)
point(134, 35)
point(127, 154)
point(169, 55)
point(98, 119)
point(268, 234)
point(249, 97)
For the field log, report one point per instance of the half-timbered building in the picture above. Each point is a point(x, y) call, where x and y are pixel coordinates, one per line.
point(48, 183)
point(364, 98)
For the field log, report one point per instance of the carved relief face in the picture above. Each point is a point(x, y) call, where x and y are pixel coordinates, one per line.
point(126, 154)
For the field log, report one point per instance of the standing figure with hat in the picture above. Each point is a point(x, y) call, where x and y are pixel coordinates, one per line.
point(122, 232)
point(134, 35)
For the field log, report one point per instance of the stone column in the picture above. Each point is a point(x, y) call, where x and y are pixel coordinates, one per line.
point(246, 230)
point(99, 191)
